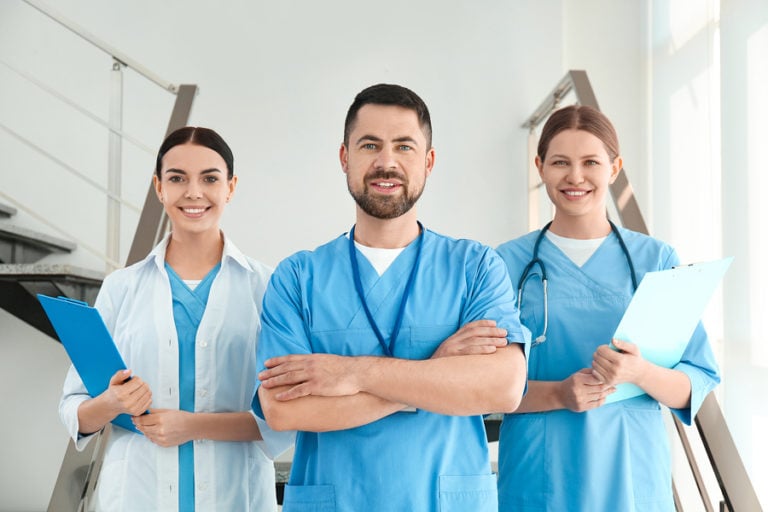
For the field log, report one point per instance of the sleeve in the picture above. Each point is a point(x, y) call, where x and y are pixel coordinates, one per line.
point(74, 392)
point(698, 363)
point(492, 297)
point(283, 329)
point(273, 443)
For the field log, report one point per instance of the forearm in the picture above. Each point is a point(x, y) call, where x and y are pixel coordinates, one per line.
point(94, 413)
point(461, 385)
point(669, 387)
point(224, 426)
point(323, 414)
point(542, 396)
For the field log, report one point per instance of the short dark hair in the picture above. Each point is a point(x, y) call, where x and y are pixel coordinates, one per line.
point(579, 117)
point(201, 137)
point(389, 94)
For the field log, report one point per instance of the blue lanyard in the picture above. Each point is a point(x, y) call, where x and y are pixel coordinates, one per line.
point(387, 347)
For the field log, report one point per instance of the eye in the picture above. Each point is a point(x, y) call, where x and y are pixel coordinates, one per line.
point(592, 162)
point(175, 178)
point(211, 179)
point(404, 147)
point(559, 163)
point(369, 146)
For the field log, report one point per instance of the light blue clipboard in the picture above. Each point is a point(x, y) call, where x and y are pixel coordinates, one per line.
point(88, 344)
point(664, 312)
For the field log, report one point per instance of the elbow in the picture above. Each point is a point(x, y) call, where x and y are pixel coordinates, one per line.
point(509, 400)
point(275, 417)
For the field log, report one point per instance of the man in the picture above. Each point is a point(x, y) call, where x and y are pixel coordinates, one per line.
point(388, 416)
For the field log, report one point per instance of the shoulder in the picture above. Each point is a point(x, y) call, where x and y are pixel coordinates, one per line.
point(519, 248)
point(304, 261)
point(456, 248)
point(649, 251)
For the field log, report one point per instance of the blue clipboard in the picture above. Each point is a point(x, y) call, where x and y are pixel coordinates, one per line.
point(664, 313)
point(88, 344)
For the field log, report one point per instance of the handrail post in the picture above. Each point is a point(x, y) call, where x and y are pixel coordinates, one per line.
point(114, 173)
point(153, 222)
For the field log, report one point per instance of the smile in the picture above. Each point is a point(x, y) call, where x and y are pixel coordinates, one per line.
point(575, 193)
point(193, 211)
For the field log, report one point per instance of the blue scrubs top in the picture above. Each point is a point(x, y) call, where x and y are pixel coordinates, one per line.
point(615, 457)
point(188, 308)
point(417, 461)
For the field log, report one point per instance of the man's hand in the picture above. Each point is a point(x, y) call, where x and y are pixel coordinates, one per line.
point(312, 374)
point(478, 337)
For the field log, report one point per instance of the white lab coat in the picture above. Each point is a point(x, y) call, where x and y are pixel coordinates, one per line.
point(136, 305)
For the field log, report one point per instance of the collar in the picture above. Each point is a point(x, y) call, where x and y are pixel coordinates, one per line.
point(229, 253)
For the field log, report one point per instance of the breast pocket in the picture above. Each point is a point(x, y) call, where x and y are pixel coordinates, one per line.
point(424, 340)
point(463, 493)
point(309, 498)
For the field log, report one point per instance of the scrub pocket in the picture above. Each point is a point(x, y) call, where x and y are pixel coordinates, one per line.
point(462, 493)
point(309, 498)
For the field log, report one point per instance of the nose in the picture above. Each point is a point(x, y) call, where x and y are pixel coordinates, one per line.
point(385, 158)
point(193, 191)
point(575, 174)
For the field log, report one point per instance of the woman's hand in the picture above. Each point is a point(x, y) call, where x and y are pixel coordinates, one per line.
point(618, 366)
point(582, 391)
point(127, 395)
point(166, 427)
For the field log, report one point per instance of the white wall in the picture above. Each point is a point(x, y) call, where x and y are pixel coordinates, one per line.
point(276, 79)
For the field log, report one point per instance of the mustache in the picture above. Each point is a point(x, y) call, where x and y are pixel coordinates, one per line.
point(381, 174)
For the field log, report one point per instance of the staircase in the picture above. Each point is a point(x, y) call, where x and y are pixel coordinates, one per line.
point(23, 275)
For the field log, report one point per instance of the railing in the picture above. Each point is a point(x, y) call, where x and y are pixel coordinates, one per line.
point(79, 470)
point(737, 490)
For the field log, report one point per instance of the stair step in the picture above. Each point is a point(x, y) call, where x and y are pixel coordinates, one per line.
point(20, 284)
point(7, 211)
point(21, 245)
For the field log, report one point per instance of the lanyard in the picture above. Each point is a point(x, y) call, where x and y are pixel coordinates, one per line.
point(387, 347)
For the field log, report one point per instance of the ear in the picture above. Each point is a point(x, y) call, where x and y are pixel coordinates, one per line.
point(158, 187)
point(616, 167)
point(344, 157)
point(232, 184)
point(430, 161)
point(540, 166)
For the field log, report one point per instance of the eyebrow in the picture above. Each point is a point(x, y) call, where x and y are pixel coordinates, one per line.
point(182, 171)
point(595, 156)
point(373, 138)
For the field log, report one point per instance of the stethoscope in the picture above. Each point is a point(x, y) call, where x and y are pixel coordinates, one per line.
point(537, 261)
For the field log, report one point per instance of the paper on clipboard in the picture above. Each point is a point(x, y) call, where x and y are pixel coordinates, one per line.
point(664, 312)
point(88, 344)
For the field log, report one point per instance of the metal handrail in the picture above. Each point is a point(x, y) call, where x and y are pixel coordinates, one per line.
point(87, 113)
point(106, 48)
point(69, 168)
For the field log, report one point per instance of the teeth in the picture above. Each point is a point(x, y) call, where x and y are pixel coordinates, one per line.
point(194, 210)
point(575, 193)
point(386, 185)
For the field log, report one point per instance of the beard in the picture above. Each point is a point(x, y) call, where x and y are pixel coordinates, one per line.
point(385, 207)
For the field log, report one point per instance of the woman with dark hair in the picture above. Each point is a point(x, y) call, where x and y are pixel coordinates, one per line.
point(565, 448)
point(186, 320)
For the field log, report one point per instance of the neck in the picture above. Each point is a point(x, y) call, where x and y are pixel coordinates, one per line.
point(582, 227)
point(193, 255)
point(386, 233)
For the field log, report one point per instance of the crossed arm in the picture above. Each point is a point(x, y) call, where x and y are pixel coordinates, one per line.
point(472, 372)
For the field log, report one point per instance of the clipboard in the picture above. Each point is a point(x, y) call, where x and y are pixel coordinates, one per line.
point(664, 313)
point(88, 344)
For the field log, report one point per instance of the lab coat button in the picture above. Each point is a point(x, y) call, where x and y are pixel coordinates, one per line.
point(203, 344)
point(203, 392)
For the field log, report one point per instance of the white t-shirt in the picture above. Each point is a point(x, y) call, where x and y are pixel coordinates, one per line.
point(579, 251)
